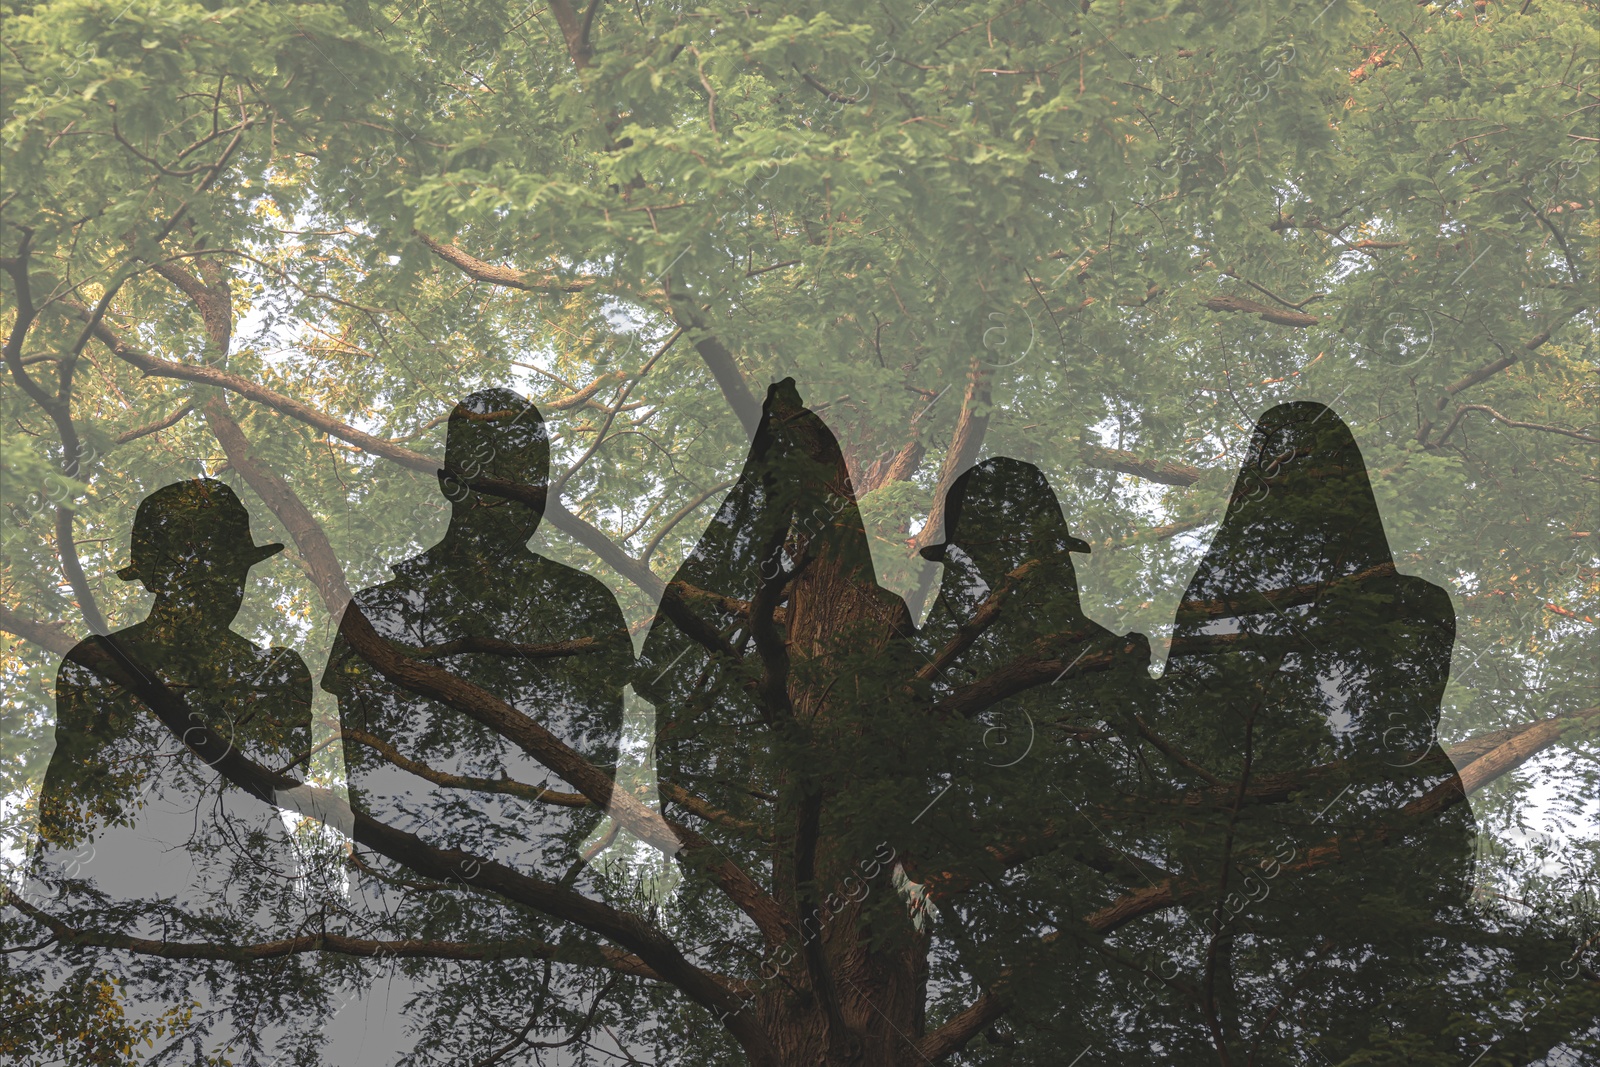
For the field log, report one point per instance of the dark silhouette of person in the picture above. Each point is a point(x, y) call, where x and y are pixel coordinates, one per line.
point(1298, 714)
point(545, 638)
point(791, 511)
point(140, 837)
point(1009, 597)
point(778, 668)
point(1050, 696)
point(125, 808)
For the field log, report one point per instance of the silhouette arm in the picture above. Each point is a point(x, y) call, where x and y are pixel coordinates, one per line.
point(78, 783)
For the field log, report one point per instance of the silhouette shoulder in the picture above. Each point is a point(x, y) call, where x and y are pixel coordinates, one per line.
point(583, 595)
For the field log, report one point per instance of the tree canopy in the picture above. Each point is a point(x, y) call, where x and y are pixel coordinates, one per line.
point(274, 244)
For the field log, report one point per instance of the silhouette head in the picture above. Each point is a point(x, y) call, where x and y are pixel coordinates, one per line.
point(1302, 509)
point(192, 547)
point(1001, 513)
point(496, 436)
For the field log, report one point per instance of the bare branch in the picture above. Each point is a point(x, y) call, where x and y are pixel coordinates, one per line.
point(1166, 472)
point(985, 616)
point(1262, 311)
point(411, 948)
point(681, 514)
point(1527, 742)
point(953, 1036)
point(1259, 601)
point(506, 277)
point(1028, 672)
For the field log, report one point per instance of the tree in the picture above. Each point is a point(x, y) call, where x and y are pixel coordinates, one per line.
point(279, 242)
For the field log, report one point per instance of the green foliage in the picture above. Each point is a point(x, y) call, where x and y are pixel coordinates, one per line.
point(963, 217)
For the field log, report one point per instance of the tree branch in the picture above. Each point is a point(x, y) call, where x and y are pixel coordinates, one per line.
point(984, 617)
point(59, 409)
point(309, 539)
point(585, 534)
point(157, 426)
point(411, 948)
point(506, 786)
point(1262, 311)
point(105, 657)
point(1275, 599)
point(1461, 413)
point(719, 360)
point(47, 635)
point(578, 646)
point(953, 1036)
point(574, 29)
point(1029, 672)
point(72, 568)
point(1156, 470)
point(972, 424)
point(1489, 370)
point(427, 680)
point(506, 277)
point(1526, 742)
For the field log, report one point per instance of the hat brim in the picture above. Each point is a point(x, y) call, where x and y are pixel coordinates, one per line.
point(268, 551)
point(257, 553)
point(936, 553)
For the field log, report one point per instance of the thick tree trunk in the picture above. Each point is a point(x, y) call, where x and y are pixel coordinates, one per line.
point(841, 1002)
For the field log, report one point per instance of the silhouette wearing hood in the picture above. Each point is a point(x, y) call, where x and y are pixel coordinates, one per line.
point(779, 668)
point(753, 606)
point(1303, 690)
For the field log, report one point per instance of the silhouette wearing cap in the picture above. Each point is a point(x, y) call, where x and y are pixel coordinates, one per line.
point(137, 835)
point(1007, 621)
point(545, 638)
point(1007, 554)
point(115, 763)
